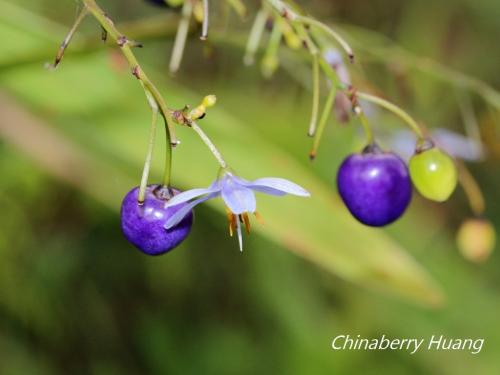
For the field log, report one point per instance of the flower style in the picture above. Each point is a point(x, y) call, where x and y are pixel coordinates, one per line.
point(238, 196)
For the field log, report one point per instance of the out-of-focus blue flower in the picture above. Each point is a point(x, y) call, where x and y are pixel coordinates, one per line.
point(238, 195)
point(455, 144)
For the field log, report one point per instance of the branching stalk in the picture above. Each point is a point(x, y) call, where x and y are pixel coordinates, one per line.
point(288, 13)
point(150, 89)
point(395, 110)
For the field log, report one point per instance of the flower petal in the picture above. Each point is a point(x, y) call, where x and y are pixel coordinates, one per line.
point(181, 213)
point(277, 186)
point(188, 195)
point(458, 145)
point(237, 197)
point(402, 143)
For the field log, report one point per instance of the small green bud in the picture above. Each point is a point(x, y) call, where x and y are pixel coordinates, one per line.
point(209, 101)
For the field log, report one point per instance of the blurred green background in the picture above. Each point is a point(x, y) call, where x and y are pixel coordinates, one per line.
point(76, 298)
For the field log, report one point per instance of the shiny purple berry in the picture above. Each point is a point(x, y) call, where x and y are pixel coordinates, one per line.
point(375, 186)
point(143, 224)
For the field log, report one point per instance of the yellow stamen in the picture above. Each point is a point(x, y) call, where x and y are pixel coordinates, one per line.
point(259, 218)
point(231, 219)
point(246, 221)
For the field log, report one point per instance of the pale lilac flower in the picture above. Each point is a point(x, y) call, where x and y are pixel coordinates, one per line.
point(455, 144)
point(238, 196)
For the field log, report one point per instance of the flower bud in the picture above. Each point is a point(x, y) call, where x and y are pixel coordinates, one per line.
point(209, 101)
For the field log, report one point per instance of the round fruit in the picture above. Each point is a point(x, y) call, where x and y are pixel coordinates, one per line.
point(375, 186)
point(143, 224)
point(476, 239)
point(434, 174)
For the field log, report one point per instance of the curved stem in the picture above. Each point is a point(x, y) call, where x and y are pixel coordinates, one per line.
point(366, 126)
point(60, 53)
point(384, 49)
point(395, 110)
point(288, 13)
point(314, 52)
point(270, 61)
point(180, 37)
point(308, 21)
point(316, 93)
point(327, 110)
point(150, 90)
point(149, 157)
point(213, 149)
point(255, 36)
point(471, 189)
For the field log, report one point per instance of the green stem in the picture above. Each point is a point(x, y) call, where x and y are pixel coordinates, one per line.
point(314, 51)
point(270, 60)
point(384, 49)
point(316, 93)
point(168, 163)
point(255, 36)
point(327, 110)
point(366, 125)
point(211, 146)
point(288, 13)
point(149, 157)
point(149, 88)
point(395, 110)
point(181, 36)
point(320, 25)
point(60, 53)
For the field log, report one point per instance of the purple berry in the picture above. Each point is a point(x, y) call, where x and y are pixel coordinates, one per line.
point(375, 186)
point(143, 224)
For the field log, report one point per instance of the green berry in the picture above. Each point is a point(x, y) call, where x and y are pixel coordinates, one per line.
point(434, 174)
